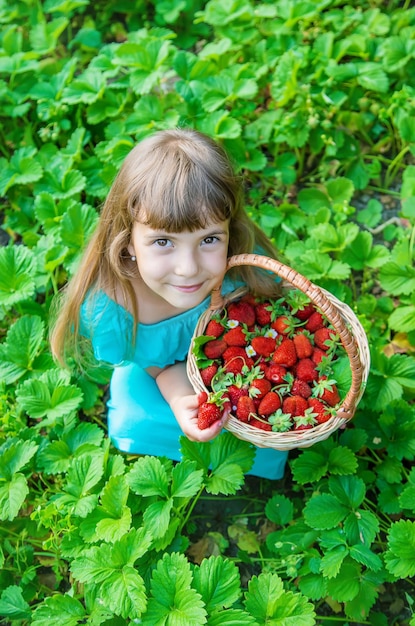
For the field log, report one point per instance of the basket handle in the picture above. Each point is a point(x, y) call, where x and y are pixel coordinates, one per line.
point(316, 295)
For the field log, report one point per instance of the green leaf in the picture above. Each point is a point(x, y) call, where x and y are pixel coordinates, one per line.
point(231, 617)
point(342, 461)
point(332, 561)
point(345, 586)
point(403, 319)
point(372, 76)
point(17, 269)
point(361, 526)
point(13, 604)
point(363, 601)
point(400, 555)
point(157, 517)
point(63, 609)
point(186, 480)
point(349, 490)
point(22, 345)
point(324, 511)
point(173, 600)
point(12, 495)
point(15, 454)
point(267, 601)
point(397, 279)
point(363, 555)
point(218, 582)
point(313, 200)
point(340, 190)
point(310, 466)
point(124, 593)
point(148, 477)
point(77, 225)
point(279, 509)
point(40, 399)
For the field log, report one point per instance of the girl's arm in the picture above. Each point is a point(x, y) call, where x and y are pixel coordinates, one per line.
point(176, 389)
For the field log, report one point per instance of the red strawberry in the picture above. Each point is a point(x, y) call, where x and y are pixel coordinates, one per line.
point(301, 388)
point(306, 421)
point(245, 409)
point(282, 325)
point(305, 312)
point(208, 414)
point(269, 404)
point(285, 353)
point(260, 424)
point(296, 405)
point(322, 414)
point(242, 311)
point(306, 370)
point(275, 373)
point(215, 348)
point(263, 315)
point(303, 346)
point(327, 391)
point(317, 355)
point(235, 392)
point(314, 322)
point(323, 337)
point(259, 388)
point(235, 337)
point(264, 346)
point(214, 329)
point(207, 373)
point(235, 359)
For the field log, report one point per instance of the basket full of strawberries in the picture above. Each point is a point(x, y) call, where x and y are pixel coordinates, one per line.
point(292, 369)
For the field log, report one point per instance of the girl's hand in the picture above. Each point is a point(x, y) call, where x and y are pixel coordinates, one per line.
point(185, 410)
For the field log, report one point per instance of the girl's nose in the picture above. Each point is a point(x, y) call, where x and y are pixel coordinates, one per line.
point(187, 263)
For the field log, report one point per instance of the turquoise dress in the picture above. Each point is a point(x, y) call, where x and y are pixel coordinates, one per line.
point(139, 419)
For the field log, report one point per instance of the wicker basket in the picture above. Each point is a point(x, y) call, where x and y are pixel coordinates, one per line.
point(343, 320)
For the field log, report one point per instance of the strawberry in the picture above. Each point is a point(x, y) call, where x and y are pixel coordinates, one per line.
point(235, 392)
point(245, 409)
point(281, 422)
point(301, 388)
point(215, 348)
point(235, 358)
point(305, 312)
point(263, 313)
point(295, 405)
point(303, 345)
point(320, 411)
point(275, 373)
point(323, 338)
point(306, 370)
point(258, 423)
point(269, 404)
point(317, 355)
point(282, 325)
point(208, 413)
point(327, 391)
point(242, 311)
point(235, 337)
point(285, 353)
point(314, 322)
point(259, 388)
point(207, 373)
point(214, 329)
point(264, 346)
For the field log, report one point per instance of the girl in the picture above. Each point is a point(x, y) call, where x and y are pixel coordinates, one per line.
point(172, 217)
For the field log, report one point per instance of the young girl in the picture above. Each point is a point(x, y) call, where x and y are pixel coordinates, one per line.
point(172, 217)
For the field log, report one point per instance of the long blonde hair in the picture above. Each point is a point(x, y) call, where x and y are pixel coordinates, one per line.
point(176, 180)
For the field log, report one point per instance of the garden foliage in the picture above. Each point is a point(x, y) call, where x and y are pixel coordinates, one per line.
point(315, 101)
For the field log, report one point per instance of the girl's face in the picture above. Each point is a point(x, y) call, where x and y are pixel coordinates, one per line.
point(182, 268)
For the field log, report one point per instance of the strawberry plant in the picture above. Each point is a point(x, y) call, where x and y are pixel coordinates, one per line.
point(315, 103)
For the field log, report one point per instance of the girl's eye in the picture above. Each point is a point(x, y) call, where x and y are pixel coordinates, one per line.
point(163, 243)
point(210, 239)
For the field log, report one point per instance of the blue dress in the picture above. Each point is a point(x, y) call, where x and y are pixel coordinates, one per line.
point(139, 420)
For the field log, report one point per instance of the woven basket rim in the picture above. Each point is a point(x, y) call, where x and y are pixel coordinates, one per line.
point(339, 315)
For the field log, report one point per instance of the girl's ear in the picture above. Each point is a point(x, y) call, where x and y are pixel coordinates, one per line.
point(130, 249)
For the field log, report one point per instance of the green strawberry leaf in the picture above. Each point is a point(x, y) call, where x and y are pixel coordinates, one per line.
point(400, 555)
point(218, 582)
point(13, 604)
point(17, 269)
point(63, 609)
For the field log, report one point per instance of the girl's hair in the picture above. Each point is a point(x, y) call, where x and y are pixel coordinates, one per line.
point(173, 180)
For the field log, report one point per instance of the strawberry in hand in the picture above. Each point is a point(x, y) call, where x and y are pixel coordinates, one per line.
point(211, 409)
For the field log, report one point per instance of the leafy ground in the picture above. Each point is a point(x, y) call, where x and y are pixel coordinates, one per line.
point(315, 102)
